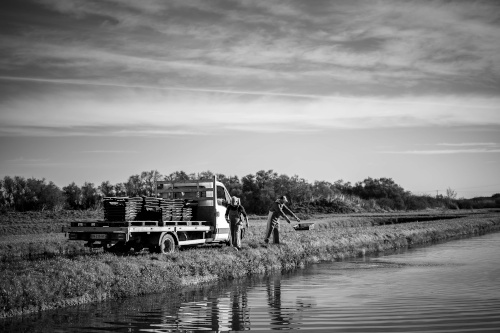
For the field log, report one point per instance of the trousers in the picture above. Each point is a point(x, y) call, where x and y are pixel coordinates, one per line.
point(235, 225)
point(273, 228)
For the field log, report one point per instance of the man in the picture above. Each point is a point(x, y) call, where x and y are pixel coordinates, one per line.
point(273, 219)
point(233, 215)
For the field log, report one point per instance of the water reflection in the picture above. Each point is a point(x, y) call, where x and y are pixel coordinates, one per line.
point(284, 315)
point(215, 312)
point(278, 317)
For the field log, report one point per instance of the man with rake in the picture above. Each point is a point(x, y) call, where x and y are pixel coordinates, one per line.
point(273, 219)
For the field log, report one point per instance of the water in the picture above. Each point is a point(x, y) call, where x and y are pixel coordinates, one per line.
point(448, 287)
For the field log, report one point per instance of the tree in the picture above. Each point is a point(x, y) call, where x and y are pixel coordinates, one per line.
point(29, 194)
point(451, 194)
point(450, 197)
point(120, 190)
point(7, 192)
point(42, 195)
point(300, 190)
point(232, 184)
point(106, 189)
point(73, 195)
point(251, 193)
point(179, 175)
point(148, 181)
point(90, 196)
point(322, 190)
point(206, 175)
point(133, 186)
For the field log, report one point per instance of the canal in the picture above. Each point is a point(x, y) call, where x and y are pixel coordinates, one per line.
point(446, 287)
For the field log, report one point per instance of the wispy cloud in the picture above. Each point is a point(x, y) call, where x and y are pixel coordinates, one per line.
point(32, 162)
point(278, 45)
point(158, 112)
point(445, 151)
point(467, 144)
point(109, 151)
point(22, 160)
point(460, 148)
point(139, 68)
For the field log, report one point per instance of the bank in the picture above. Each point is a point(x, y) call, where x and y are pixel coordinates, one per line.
point(32, 286)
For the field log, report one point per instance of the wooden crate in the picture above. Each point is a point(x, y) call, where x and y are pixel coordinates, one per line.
point(304, 226)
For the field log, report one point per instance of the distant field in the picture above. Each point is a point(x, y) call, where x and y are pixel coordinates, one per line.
point(24, 223)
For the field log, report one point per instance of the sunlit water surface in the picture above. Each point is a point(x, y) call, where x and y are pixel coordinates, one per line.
point(448, 287)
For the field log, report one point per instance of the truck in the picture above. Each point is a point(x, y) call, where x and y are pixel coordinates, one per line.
point(181, 214)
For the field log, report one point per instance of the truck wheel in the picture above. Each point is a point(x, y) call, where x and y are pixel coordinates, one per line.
point(167, 244)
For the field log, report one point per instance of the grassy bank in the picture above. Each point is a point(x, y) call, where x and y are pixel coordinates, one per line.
point(29, 286)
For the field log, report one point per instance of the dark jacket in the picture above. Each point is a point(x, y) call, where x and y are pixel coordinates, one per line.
point(238, 209)
point(277, 211)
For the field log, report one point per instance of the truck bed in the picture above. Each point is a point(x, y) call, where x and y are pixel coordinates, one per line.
point(137, 223)
point(137, 226)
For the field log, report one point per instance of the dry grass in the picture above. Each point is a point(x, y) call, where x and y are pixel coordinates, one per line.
point(33, 223)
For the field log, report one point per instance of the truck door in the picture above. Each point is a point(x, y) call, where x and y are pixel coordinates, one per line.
point(221, 225)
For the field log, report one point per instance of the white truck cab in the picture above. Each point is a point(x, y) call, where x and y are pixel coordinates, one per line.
point(208, 205)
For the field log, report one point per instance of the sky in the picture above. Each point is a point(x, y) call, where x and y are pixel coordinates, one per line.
point(324, 89)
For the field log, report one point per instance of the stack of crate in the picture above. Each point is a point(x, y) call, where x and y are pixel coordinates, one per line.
point(166, 209)
point(146, 209)
point(187, 213)
point(121, 208)
point(150, 209)
point(172, 209)
point(177, 205)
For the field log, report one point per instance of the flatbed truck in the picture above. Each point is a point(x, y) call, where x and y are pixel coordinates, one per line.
point(207, 199)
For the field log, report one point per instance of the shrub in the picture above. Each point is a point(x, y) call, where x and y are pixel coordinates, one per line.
point(416, 203)
point(23, 194)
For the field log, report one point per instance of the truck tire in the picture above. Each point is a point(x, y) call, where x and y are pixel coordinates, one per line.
point(167, 244)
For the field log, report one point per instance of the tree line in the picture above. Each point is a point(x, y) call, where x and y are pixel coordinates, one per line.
point(257, 192)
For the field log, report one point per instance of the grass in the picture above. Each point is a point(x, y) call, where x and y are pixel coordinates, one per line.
point(41, 246)
point(30, 286)
point(49, 245)
point(33, 223)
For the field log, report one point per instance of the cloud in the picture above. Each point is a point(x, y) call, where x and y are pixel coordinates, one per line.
point(164, 111)
point(109, 151)
point(156, 68)
point(446, 151)
point(466, 144)
point(284, 45)
point(32, 162)
point(22, 160)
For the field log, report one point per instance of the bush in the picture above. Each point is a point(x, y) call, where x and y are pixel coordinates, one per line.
point(23, 194)
point(416, 203)
point(386, 203)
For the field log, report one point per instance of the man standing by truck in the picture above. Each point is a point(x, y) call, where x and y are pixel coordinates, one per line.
point(273, 219)
point(234, 212)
